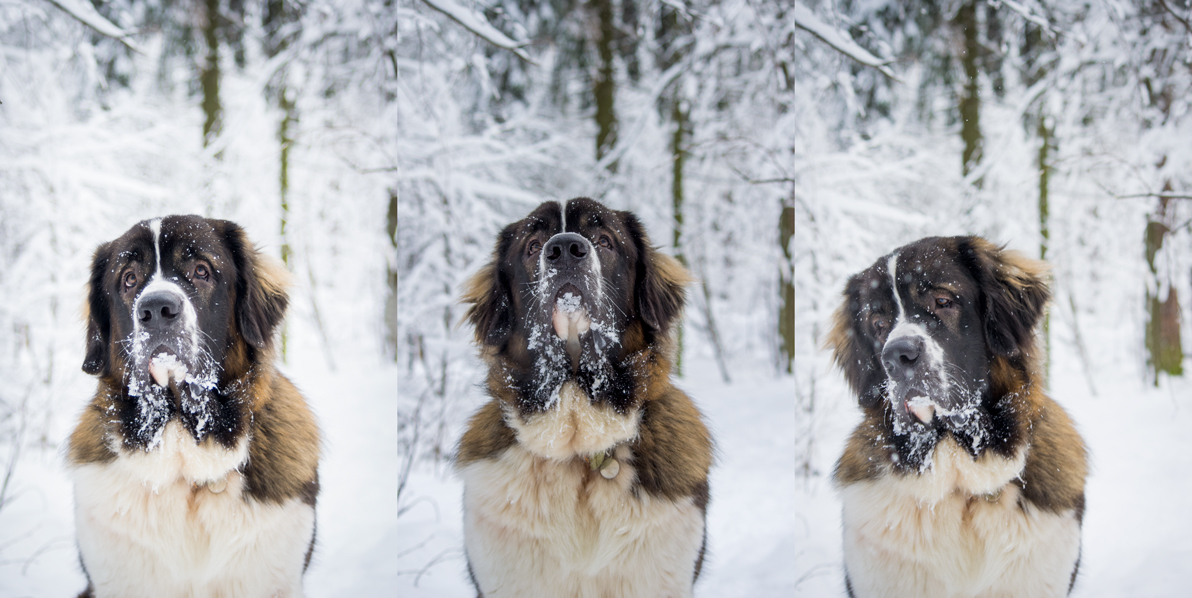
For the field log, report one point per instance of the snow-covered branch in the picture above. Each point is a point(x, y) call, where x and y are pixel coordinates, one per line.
point(87, 15)
point(1028, 15)
point(807, 21)
point(478, 25)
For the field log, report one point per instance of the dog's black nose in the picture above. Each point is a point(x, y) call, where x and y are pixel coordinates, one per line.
point(159, 310)
point(902, 353)
point(565, 248)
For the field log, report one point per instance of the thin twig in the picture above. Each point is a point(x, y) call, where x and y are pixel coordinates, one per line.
point(1162, 195)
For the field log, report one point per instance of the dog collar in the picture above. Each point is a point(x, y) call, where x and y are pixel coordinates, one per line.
point(604, 462)
point(214, 486)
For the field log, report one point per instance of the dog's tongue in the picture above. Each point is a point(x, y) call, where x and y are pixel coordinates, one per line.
point(570, 315)
point(163, 366)
point(570, 320)
point(922, 408)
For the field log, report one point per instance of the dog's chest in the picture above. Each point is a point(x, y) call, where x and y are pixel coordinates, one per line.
point(536, 526)
point(960, 528)
point(176, 521)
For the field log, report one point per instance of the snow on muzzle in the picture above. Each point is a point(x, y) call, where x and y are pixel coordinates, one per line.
point(165, 365)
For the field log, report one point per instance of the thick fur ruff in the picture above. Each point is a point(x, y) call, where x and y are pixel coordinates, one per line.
point(207, 488)
point(543, 513)
point(969, 484)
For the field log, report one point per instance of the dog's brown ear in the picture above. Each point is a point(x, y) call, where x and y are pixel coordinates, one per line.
point(854, 353)
point(660, 288)
point(1014, 294)
point(98, 315)
point(261, 297)
point(489, 295)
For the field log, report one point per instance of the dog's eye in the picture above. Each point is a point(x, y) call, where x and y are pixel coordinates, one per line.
point(879, 326)
point(130, 279)
point(943, 302)
point(533, 247)
point(201, 272)
point(604, 241)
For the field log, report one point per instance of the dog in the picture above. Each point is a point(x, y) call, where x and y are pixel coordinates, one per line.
point(587, 472)
point(963, 478)
point(196, 462)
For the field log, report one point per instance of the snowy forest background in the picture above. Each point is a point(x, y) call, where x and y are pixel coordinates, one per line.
point(376, 147)
point(776, 147)
point(1061, 129)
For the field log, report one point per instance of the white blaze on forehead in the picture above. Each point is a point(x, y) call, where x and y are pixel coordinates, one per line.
point(904, 327)
point(158, 283)
point(155, 226)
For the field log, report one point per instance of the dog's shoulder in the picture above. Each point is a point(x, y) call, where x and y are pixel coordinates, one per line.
point(1056, 463)
point(487, 435)
point(673, 450)
point(284, 447)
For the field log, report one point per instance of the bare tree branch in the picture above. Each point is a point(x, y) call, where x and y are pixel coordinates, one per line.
point(807, 21)
point(479, 26)
point(87, 15)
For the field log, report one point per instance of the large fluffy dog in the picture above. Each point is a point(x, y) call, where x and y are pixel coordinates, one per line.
point(195, 462)
point(964, 478)
point(587, 473)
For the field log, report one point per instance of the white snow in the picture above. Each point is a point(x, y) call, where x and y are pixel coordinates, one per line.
point(807, 20)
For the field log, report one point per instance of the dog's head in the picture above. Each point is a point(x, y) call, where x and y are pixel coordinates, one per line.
point(920, 330)
point(572, 289)
point(177, 307)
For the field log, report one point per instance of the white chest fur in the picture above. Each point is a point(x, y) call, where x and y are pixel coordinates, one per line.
point(539, 525)
point(174, 522)
point(955, 530)
point(574, 426)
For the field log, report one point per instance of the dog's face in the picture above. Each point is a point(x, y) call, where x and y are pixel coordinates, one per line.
point(572, 290)
point(921, 328)
point(176, 307)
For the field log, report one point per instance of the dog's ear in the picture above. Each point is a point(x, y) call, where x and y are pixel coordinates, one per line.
point(489, 295)
point(853, 353)
point(660, 288)
point(1014, 294)
point(98, 313)
point(261, 297)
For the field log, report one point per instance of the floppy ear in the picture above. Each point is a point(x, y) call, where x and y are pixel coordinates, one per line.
point(853, 353)
point(661, 281)
point(1014, 294)
point(98, 314)
point(490, 297)
point(261, 297)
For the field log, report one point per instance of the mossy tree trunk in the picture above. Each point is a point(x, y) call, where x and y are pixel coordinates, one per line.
point(1165, 352)
point(679, 141)
point(786, 282)
point(391, 277)
point(1046, 143)
point(970, 100)
point(209, 74)
point(604, 88)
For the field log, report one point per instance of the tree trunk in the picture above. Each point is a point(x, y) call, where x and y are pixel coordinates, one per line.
point(1165, 352)
point(604, 88)
point(209, 74)
point(678, 156)
point(285, 140)
point(1045, 145)
point(786, 279)
point(970, 102)
point(391, 278)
